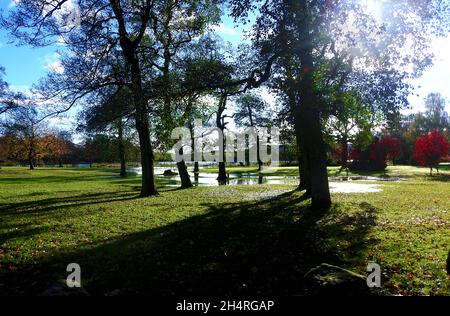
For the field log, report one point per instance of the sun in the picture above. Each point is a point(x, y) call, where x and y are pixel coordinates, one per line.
point(374, 8)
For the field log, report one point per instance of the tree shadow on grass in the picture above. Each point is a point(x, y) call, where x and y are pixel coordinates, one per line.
point(63, 178)
point(41, 206)
point(441, 177)
point(24, 231)
point(249, 248)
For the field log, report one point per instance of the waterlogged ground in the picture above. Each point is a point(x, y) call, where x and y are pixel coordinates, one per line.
point(337, 184)
point(218, 240)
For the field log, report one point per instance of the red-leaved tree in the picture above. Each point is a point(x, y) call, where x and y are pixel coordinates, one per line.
point(387, 148)
point(430, 149)
point(375, 157)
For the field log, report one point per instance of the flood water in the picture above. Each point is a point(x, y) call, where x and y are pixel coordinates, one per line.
point(337, 185)
point(210, 179)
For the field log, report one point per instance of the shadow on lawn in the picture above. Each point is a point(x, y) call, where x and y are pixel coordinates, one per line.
point(234, 249)
point(36, 179)
point(442, 177)
point(40, 206)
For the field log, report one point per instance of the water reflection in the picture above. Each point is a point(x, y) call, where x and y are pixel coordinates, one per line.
point(210, 179)
point(248, 178)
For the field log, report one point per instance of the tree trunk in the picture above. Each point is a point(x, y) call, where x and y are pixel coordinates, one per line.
point(142, 127)
point(291, 91)
point(60, 163)
point(148, 177)
point(30, 154)
point(305, 176)
point(303, 165)
point(196, 168)
point(247, 155)
point(140, 103)
point(184, 175)
point(196, 177)
point(316, 157)
point(222, 177)
point(167, 117)
point(260, 179)
point(258, 157)
point(222, 173)
point(344, 153)
point(183, 172)
point(123, 165)
point(308, 117)
point(30, 160)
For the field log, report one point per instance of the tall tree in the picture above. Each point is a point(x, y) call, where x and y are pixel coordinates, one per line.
point(210, 72)
point(104, 29)
point(296, 31)
point(9, 100)
point(172, 31)
point(252, 111)
point(430, 149)
point(437, 117)
point(110, 111)
point(221, 125)
point(25, 124)
point(349, 118)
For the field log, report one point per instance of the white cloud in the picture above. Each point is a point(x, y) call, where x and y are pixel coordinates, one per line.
point(56, 66)
point(225, 30)
point(60, 121)
point(436, 78)
point(20, 88)
point(52, 62)
point(61, 41)
point(269, 97)
point(68, 13)
point(13, 3)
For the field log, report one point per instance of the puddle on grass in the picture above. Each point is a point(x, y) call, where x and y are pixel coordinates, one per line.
point(337, 185)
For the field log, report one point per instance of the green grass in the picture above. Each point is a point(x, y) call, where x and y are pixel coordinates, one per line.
point(227, 240)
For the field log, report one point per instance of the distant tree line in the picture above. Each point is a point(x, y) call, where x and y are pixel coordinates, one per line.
point(57, 149)
point(396, 141)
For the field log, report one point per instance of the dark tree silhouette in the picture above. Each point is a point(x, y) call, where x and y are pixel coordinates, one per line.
point(301, 33)
point(252, 111)
point(110, 110)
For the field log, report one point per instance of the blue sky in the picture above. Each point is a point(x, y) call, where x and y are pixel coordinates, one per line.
point(25, 65)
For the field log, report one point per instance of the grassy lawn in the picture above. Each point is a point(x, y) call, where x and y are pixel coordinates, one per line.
point(216, 240)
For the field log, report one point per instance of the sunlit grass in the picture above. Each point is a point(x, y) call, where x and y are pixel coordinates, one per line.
point(215, 240)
